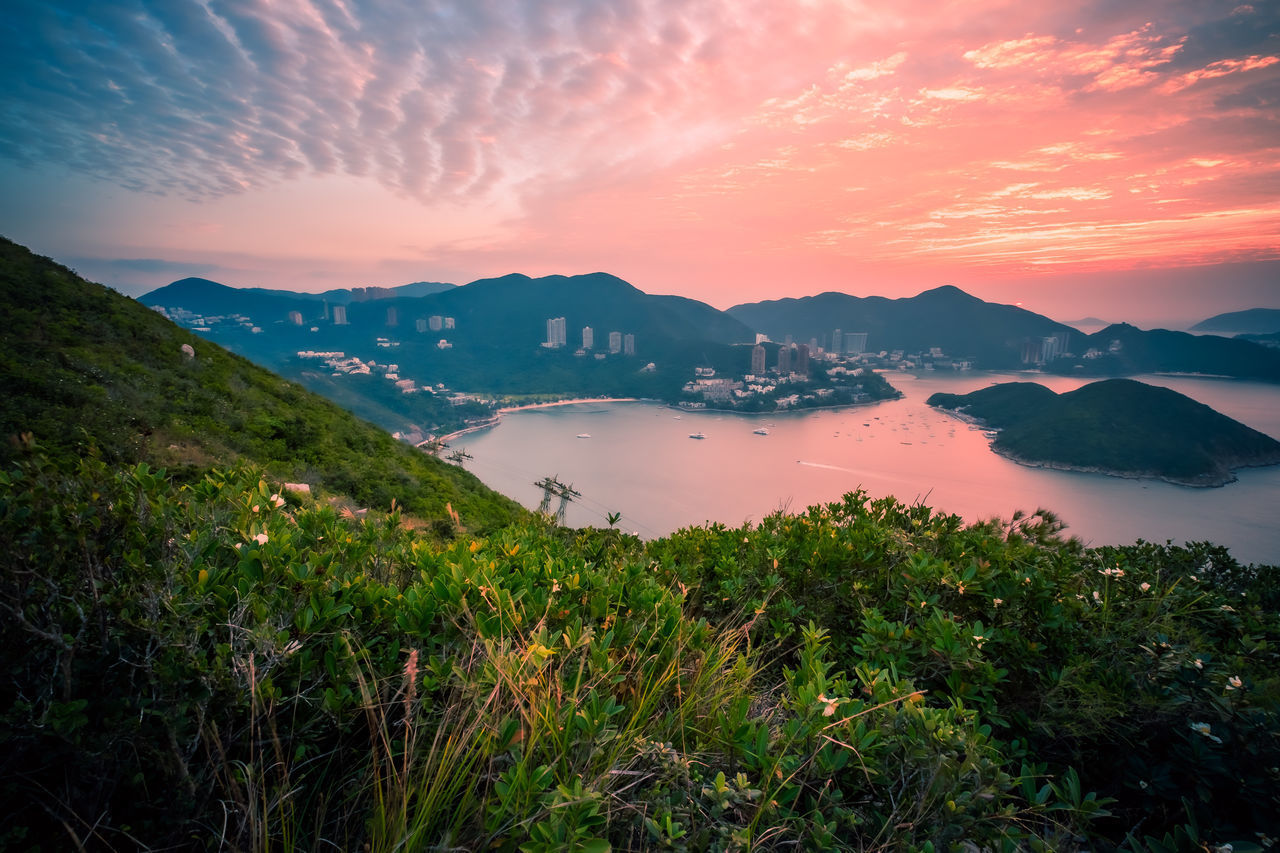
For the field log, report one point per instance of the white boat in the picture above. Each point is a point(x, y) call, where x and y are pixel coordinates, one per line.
point(696, 435)
point(761, 431)
point(584, 435)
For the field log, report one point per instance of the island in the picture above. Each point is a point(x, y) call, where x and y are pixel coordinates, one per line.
point(1120, 427)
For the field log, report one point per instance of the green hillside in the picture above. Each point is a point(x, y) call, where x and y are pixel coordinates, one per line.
point(1117, 426)
point(87, 371)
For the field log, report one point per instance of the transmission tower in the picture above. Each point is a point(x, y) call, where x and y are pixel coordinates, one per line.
point(552, 486)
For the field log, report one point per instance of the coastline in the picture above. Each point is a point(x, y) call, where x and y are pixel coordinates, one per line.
point(1208, 481)
point(497, 416)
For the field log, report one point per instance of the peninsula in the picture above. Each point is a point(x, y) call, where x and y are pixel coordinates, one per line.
point(1120, 427)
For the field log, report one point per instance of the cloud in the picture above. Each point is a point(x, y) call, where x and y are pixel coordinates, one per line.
point(438, 100)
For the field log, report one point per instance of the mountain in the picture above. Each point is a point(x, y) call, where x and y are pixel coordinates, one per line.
point(1255, 321)
point(89, 372)
point(1116, 426)
point(489, 339)
point(202, 296)
point(1123, 349)
point(962, 325)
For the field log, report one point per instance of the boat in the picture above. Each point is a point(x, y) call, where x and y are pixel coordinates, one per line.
point(761, 431)
point(696, 435)
point(584, 435)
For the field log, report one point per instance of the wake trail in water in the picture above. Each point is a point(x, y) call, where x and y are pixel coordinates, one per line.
point(829, 467)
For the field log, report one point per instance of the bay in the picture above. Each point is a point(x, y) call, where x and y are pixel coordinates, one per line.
point(640, 461)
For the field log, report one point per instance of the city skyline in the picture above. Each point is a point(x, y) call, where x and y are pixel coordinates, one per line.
point(1109, 159)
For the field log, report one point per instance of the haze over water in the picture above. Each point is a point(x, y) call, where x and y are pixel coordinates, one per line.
point(641, 462)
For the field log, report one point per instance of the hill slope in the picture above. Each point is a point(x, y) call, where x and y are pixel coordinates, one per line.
point(947, 317)
point(1117, 426)
point(88, 371)
point(1255, 321)
point(1122, 349)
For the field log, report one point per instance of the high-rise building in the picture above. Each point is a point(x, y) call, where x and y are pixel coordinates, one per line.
point(393, 317)
point(801, 365)
point(588, 338)
point(295, 317)
point(837, 342)
point(855, 343)
point(555, 332)
point(450, 323)
point(435, 322)
point(615, 342)
point(628, 344)
point(339, 315)
point(757, 360)
point(420, 324)
point(784, 360)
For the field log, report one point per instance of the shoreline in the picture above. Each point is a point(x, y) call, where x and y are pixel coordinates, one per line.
point(497, 416)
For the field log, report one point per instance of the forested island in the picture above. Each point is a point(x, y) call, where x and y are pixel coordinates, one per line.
point(1120, 427)
point(236, 617)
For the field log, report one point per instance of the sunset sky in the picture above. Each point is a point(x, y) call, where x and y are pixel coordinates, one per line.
point(1118, 158)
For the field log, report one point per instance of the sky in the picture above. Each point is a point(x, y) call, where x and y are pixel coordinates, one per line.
point(1118, 158)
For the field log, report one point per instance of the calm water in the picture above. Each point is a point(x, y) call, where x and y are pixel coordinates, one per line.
point(640, 461)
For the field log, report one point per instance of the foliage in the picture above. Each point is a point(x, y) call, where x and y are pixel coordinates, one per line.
point(214, 663)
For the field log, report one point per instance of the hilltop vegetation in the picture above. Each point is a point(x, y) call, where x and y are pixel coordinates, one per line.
point(89, 372)
point(1117, 426)
point(209, 665)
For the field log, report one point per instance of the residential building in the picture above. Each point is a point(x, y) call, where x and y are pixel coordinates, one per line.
point(615, 342)
point(757, 360)
point(588, 338)
point(555, 332)
point(628, 344)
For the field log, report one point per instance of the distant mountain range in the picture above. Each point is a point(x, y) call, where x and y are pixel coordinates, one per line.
point(203, 296)
point(962, 325)
point(1122, 349)
point(1255, 321)
point(1116, 426)
point(492, 342)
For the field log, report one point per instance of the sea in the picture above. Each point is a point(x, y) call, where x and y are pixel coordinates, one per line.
point(638, 459)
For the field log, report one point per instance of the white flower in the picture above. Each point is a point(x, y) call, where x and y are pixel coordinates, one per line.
point(996, 602)
point(277, 501)
point(256, 507)
point(831, 705)
point(1144, 586)
point(261, 539)
point(238, 546)
point(1234, 683)
point(1199, 663)
point(1097, 596)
